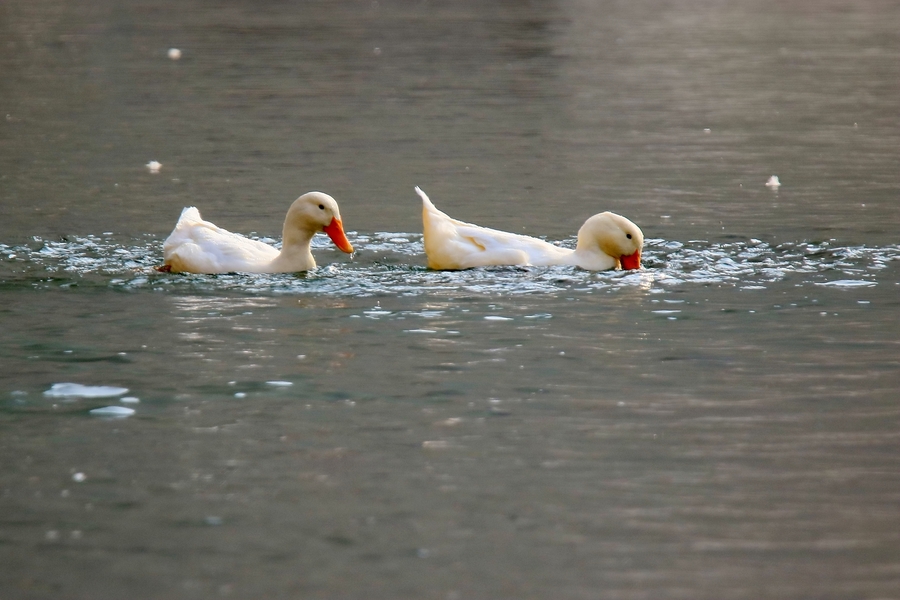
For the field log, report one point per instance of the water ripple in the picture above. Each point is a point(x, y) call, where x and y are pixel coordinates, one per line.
point(393, 264)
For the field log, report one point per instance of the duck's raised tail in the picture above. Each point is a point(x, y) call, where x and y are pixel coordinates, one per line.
point(426, 202)
point(431, 214)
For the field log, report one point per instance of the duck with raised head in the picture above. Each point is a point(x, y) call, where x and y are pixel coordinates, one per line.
point(605, 241)
point(198, 246)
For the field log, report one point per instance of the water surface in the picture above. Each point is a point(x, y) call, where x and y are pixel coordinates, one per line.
point(721, 424)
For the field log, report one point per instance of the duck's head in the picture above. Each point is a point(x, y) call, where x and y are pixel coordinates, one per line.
point(315, 211)
point(614, 235)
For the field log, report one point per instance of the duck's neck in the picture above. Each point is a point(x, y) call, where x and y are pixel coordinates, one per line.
point(295, 253)
point(591, 258)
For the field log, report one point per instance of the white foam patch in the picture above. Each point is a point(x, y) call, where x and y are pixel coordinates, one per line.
point(849, 283)
point(280, 383)
point(118, 412)
point(76, 390)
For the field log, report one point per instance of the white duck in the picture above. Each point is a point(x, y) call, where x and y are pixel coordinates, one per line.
point(605, 241)
point(198, 246)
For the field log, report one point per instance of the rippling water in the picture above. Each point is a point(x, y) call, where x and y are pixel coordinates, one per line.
point(390, 264)
point(723, 423)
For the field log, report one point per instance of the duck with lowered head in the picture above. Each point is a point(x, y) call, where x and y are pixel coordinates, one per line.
point(605, 241)
point(198, 246)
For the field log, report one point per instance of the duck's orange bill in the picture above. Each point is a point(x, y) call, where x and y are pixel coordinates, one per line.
point(631, 262)
point(336, 232)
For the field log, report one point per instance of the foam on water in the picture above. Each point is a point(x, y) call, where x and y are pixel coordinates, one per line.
point(393, 264)
point(76, 390)
point(112, 412)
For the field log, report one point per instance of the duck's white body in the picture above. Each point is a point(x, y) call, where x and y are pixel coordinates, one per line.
point(605, 241)
point(198, 246)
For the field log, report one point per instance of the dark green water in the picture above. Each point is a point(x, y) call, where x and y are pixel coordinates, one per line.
point(722, 424)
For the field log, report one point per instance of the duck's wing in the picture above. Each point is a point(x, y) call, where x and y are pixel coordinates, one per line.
point(198, 246)
point(453, 244)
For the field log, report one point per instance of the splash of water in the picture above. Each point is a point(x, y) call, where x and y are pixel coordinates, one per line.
point(393, 264)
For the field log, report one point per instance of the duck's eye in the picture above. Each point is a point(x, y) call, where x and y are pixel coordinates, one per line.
point(322, 207)
point(628, 235)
